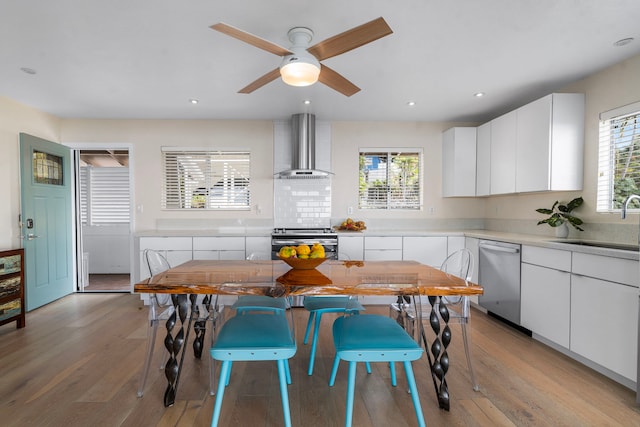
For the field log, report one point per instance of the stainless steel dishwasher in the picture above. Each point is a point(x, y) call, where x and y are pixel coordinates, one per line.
point(499, 275)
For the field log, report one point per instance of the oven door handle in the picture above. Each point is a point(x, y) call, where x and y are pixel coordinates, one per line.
point(303, 242)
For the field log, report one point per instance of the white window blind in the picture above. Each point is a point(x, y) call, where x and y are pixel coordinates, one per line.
point(104, 195)
point(206, 179)
point(390, 179)
point(619, 158)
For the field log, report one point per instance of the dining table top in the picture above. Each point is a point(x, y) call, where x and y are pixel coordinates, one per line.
point(332, 277)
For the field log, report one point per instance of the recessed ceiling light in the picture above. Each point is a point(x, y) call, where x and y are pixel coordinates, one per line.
point(193, 101)
point(306, 102)
point(623, 42)
point(478, 94)
point(411, 103)
point(28, 70)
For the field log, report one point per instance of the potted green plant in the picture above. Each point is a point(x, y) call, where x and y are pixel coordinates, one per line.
point(560, 215)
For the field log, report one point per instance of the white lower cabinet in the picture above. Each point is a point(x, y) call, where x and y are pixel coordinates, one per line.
point(455, 243)
point(566, 300)
point(429, 250)
point(218, 248)
point(383, 248)
point(351, 247)
point(604, 323)
point(545, 293)
point(545, 300)
point(259, 246)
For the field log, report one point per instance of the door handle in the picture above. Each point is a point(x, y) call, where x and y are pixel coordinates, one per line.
point(499, 248)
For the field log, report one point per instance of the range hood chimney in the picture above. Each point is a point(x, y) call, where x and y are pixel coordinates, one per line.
point(303, 144)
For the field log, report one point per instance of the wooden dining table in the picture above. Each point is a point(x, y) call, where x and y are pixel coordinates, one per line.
point(275, 278)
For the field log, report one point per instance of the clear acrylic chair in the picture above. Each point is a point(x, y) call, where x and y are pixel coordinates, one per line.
point(256, 336)
point(161, 308)
point(376, 338)
point(459, 264)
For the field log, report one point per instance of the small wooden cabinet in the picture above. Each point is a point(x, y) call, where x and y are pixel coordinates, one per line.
point(12, 287)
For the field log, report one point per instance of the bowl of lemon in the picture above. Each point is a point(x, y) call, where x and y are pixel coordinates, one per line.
point(303, 257)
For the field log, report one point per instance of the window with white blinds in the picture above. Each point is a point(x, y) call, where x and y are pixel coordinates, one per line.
point(206, 179)
point(619, 158)
point(104, 195)
point(390, 179)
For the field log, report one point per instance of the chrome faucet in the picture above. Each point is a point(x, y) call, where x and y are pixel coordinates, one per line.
point(626, 204)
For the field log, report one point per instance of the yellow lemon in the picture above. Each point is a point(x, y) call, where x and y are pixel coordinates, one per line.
point(303, 250)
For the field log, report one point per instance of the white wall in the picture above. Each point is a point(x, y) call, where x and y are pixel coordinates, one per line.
point(14, 119)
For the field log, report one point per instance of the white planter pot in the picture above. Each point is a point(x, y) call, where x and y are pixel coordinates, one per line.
point(562, 231)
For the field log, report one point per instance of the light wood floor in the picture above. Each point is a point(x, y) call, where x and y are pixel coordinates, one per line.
point(109, 283)
point(77, 363)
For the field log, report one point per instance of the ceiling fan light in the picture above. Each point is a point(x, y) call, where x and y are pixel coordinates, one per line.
point(299, 71)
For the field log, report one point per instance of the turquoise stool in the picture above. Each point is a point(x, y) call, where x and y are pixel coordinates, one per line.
point(374, 338)
point(317, 306)
point(251, 337)
point(246, 303)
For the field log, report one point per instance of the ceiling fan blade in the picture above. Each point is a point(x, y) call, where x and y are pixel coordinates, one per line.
point(257, 84)
point(336, 82)
point(251, 39)
point(350, 39)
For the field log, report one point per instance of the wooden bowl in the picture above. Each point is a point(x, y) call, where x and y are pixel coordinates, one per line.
point(303, 264)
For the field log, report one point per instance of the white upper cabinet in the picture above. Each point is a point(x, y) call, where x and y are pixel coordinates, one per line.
point(550, 144)
point(483, 160)
point(459, 162)
point(503, 154)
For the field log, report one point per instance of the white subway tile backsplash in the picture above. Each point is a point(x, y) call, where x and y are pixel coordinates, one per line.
point(302, 203)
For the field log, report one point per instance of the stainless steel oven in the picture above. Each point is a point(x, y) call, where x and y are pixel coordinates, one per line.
point(304, 236)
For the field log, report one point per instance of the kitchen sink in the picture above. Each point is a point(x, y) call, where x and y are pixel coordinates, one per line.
point(595, 244)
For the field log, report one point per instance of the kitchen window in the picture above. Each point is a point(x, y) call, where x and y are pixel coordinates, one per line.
point(390, 179)
point(206, 179)
point(619, 158)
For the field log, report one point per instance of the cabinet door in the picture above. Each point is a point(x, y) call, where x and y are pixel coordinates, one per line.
point(604, 324)
point(454, 244)
point(383, 255)
point(545, 301)
point(459, 162)
point(258, 245)
point(533, 146)
point(483, 160)
point(429, 250)
point(503, 154)
point(383, 248)
point(351, 247)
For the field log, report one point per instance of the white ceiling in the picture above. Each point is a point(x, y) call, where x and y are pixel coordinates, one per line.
point(148, 58)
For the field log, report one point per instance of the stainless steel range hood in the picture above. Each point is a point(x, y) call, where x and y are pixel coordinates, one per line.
point(303, 146)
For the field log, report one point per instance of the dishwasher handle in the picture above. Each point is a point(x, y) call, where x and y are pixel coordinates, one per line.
point(496, 248)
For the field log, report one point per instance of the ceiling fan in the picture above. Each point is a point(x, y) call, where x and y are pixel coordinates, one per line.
point(301, 64)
